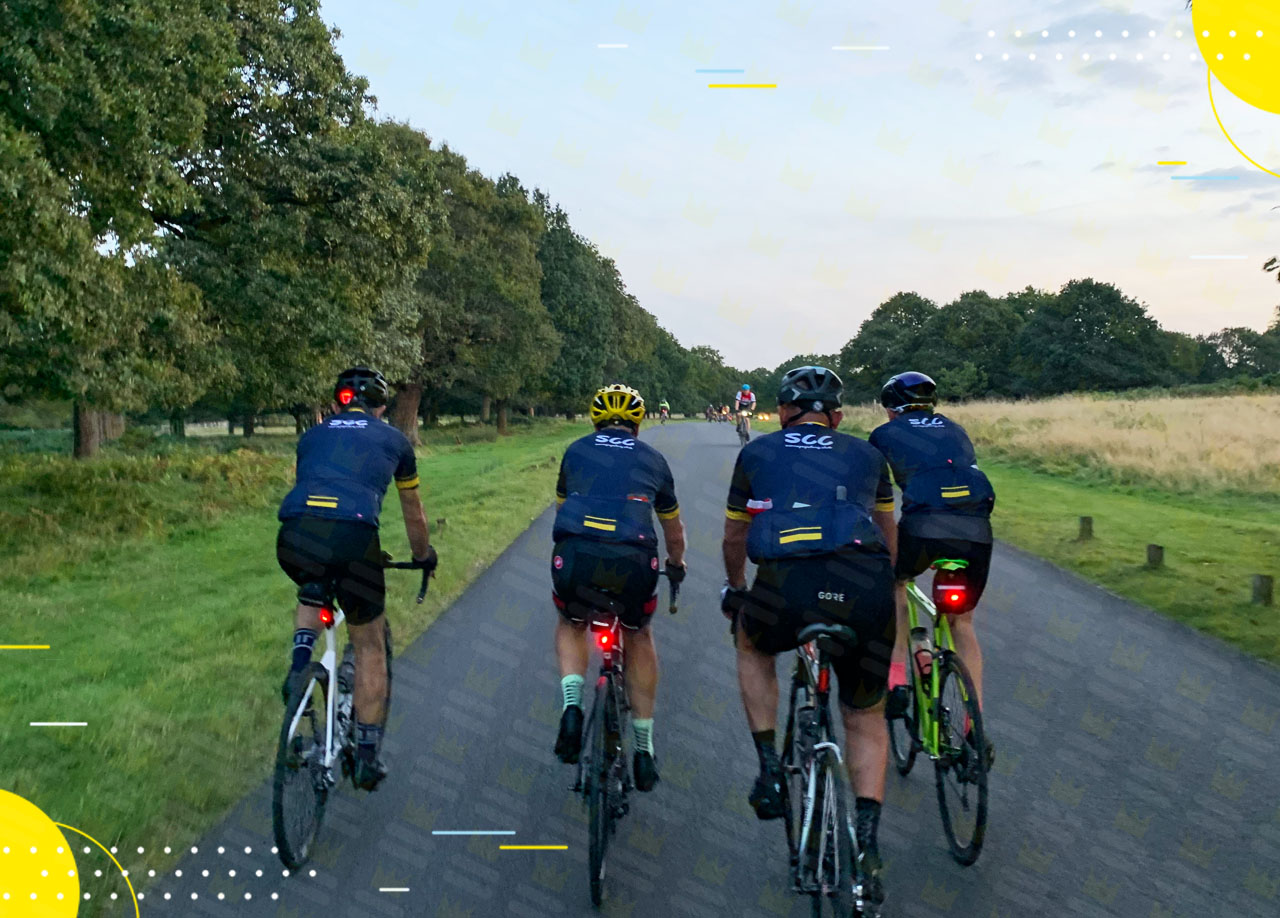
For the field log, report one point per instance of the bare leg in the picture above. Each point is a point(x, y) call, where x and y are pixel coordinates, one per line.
point(758, 681)
point(369, 641)
point(867, 747)
point(642, 672)
point(966, 639)
point(307, 617)
point(571, 647)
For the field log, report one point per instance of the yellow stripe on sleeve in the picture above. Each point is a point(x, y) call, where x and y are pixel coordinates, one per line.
point(668, 514)
point(742, 516)
point(407, 483)
point(885, 505)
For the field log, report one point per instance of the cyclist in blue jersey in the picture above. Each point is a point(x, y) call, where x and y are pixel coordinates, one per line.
point(813, 508)
point(328, 540)
point(606, 552)
point(946, 513)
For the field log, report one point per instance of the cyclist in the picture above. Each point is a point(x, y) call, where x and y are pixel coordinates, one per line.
point(813, 508)
point(328, 540)
point(743, 404)
point(946, 513)
point(664, 409)
point(711, 412)
point(610, 486)
point(724, 412)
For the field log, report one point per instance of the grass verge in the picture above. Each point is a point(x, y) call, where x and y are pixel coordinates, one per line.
point(172, 642)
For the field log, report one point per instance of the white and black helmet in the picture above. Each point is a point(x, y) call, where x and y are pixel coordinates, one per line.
point(812, 389)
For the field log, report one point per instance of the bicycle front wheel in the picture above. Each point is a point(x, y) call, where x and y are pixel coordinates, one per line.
point(960, 771)
point(605, 718)
point(300, 787)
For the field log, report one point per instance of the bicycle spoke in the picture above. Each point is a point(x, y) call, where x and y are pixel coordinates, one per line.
point(960, 769)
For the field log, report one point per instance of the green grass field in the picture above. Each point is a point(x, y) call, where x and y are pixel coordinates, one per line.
point(171, 639)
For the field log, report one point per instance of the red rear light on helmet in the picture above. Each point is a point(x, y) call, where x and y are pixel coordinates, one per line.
point(346, 396)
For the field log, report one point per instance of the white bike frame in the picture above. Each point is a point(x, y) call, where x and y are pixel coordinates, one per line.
point(329, 660)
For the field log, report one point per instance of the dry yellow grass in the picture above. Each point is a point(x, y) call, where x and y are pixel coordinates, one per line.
point(1219, 444)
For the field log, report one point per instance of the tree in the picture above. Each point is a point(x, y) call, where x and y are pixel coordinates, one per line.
point(885, 344)
point(99, 104)
point(1090, 337)
point(976, 331)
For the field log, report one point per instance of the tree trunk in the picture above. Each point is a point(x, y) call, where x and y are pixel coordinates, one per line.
point(502, 417)
point(112, 425)
point(404, 411)
point(299, 425)
point(250, 422)
point(531, 412)
point(485, 402)
point(178, 424)
point(231, 426)
point(87, 424)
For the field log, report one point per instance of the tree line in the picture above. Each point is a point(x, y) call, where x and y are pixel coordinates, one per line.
point(202, 216)
point(202, 213)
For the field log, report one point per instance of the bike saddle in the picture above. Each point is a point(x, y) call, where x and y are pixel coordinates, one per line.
point(828, 636)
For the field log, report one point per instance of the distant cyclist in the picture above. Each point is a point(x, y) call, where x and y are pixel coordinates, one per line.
point(610, 486)
point(743, 405)
point(664, 410)
point(813, 508)
point(329, 541)
point(946, 513)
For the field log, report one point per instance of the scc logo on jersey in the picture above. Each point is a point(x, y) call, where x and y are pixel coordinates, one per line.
point(343, 422)
point(810, 441)
point(927, 422)
point(615, 442)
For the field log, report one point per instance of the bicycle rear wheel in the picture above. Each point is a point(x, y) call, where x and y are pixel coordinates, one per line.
point(902, 730)
point(605, 717)
point(960, 771)
point(300, 787)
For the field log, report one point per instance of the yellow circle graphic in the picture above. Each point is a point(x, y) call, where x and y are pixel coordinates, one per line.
point(38, 876)
point(1240, 41)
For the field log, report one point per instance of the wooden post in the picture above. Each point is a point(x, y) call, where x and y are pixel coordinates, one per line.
point(1155, 556)
point(1262, 589)
point(1086, 528)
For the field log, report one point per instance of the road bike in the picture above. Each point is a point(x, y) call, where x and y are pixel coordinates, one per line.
point(663, 414)
point(603, 778)
point(943, 719)
point(744, 426)
point(821, 839)
point(318, 735)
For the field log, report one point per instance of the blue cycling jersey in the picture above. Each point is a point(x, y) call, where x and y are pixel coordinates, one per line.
point(345, 466)
point(610, 486)
point(944, 493)
point(809, 490)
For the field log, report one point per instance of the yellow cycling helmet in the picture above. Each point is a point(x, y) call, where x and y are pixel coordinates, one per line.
point(617, 403)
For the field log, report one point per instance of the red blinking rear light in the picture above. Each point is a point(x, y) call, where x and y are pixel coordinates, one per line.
point(954, 597)
point(326, 617)
point(604, 638)
point(346, 396)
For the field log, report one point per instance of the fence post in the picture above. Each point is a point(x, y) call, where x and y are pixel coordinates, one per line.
point(1086, 528)
point(1155, 556)
point(1262, 589)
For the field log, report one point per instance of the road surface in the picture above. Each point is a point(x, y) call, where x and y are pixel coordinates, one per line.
point(1133, 777)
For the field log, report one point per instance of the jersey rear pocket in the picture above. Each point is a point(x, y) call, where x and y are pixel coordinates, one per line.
point(958, 489)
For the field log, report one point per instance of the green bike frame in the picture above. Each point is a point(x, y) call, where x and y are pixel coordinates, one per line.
point(927, 728)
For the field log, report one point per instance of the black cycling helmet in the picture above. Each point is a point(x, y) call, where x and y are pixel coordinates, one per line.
point(811, 388)
point(909, 390)
point(360, 386)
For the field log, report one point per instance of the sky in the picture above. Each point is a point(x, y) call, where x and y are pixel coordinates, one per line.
point(771, 222)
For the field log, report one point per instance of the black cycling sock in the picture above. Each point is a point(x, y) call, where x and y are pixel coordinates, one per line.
point(867, 823)
point(303, 640)
point(368, 737)
point(764, 745)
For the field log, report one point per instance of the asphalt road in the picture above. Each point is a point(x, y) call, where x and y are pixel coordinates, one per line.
point(1134, 777)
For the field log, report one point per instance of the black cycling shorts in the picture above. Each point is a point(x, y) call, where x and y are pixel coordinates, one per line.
point(343, 554)
point(849, 588)
point(589, 576)
point(916, 554)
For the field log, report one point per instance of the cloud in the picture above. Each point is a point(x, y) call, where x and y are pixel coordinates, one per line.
point(1099, 19)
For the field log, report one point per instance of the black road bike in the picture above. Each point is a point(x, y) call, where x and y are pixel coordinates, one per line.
point(603, 777)
point(820, 835)
point(318, 734)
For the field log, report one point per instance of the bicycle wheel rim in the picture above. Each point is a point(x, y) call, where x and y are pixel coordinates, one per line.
point(837, 864)
point(298, 788)
point(960, 771)
point(598, 793)
point(902, 732)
